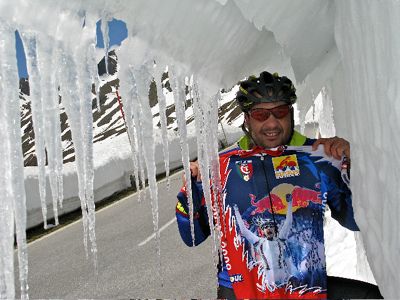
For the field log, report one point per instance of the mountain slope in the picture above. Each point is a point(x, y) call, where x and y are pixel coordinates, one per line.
point(107, 120)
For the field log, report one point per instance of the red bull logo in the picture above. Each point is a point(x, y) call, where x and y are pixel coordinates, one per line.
point(265, 204)
point(301, 198)
point(286, 166)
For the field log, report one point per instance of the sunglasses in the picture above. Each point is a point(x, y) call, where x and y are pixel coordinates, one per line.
point(262, 114)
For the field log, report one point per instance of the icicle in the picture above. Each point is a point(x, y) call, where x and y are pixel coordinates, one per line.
point(51, 118)
point(98, 85)
point(13, 205)
point(133, 138)
point(106, 38)
point(76, 77)
point(29, 40)
point(162, 108)
point(97, 88)
point(326, 122)
point(204, 165)
point(211, 122)
point(57, 96)
point(129, 93)
point(180, 99)
point(85, 56)
point(142, 77)
point(138, 134)
point(7, 290)
point(210, 114)
point(45, 113)
point(70, 97)
point(134, 125)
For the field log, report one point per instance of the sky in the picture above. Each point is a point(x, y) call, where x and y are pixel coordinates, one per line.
point(117, 32)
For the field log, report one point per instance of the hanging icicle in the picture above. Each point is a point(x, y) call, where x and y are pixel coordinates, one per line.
point(76, 73)
point(106, 18)
point(129, 93)
point(30, 44)
point(85, 56)
point(204, 165)
point(12, 188)
point(162, 108)
point(51, 119)
point(57, 97)
point(178, 89)
point(141, 78)
point(69, 93)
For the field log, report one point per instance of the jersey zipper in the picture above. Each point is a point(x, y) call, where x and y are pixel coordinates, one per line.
point(262, 158)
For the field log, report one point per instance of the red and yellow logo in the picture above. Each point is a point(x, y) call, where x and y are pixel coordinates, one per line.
point(286, 166)
point(301, 198)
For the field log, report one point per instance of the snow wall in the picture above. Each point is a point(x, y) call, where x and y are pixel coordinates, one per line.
point(349, 47)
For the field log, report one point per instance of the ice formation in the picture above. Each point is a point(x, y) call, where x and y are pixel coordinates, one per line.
point(349, 48)
point(13, 202)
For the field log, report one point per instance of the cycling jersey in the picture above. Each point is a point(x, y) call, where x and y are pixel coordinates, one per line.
point(271, 212)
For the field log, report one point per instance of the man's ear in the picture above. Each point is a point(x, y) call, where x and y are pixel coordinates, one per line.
point(246, 118)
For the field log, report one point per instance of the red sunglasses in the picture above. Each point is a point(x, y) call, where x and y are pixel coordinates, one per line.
point(262, 114)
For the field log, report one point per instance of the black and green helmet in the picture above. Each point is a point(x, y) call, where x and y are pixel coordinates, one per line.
point(265, 88)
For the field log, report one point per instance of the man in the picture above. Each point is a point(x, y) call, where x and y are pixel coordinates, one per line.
point(273, 169)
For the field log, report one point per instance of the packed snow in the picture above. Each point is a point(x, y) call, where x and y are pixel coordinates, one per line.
point(349, 50)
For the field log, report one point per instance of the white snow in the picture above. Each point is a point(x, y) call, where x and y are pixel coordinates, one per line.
point(349, 48)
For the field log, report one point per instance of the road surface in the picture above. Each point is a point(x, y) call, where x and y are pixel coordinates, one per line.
point(127, 258)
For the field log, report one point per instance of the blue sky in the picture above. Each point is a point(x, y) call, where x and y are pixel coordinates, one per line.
point(117, 32)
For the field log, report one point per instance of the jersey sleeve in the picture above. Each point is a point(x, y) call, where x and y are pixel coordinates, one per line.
point(200, 217)
point(339, 198)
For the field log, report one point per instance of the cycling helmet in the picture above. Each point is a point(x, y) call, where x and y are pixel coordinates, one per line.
point(269, 87)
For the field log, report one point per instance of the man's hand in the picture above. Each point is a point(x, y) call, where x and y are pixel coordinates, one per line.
point(194, 171)
point(334, 146)
point(288, 198)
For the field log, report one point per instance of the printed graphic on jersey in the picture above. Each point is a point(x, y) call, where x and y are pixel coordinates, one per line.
point(245, 169)
point(286, 166)
point(285, 254)
point(301, 198)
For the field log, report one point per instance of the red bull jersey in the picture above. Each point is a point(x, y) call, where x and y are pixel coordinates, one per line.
point(271, 210)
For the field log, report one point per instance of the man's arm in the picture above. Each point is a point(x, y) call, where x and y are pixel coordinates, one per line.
point(246, 233)
point(284, 232)
point(200, 218)
point(339, 195)
point(339, 198)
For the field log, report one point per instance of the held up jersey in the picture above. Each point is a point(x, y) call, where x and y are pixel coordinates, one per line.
point(271, 214)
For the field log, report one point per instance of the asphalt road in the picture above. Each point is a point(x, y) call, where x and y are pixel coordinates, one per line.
point(127, 258)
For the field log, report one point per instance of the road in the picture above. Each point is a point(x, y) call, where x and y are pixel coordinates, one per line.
point(127, 258)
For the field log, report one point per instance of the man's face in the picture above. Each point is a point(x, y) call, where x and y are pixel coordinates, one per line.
point(272, 132)
point(269, 232)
